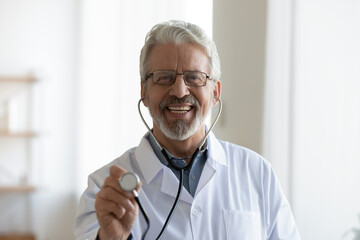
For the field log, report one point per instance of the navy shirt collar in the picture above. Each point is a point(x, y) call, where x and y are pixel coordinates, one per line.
point(180, 162)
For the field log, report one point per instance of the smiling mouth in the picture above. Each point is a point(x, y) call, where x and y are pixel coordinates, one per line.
point(179, 110)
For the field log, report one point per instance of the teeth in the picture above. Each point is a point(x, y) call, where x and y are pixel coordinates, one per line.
point(187, 108)
point(179, 110)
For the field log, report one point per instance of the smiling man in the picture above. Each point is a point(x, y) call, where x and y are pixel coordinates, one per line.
point(178, 97)
point(230, 192)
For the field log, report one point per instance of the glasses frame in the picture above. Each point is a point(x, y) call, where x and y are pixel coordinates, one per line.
point(176, 74)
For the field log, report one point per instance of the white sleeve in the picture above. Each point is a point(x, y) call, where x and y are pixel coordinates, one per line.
point(279, 218)
point(86, 225)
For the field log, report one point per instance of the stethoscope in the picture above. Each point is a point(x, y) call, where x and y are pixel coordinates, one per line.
point(130, 181)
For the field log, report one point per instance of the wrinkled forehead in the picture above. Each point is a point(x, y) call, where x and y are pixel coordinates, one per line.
point(183, 57)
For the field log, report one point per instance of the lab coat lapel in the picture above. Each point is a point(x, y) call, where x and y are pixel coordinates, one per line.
point(206, 175)
point(148, 163)
point(170, 185)
point(150, 167)
point(217, 154)
point(216, 157)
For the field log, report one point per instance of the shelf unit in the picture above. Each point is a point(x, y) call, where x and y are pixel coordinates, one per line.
point(23, 134)
point(17, 237)
point(16, 105)
point(17, 189)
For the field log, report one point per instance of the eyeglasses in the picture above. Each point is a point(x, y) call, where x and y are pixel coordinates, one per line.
point(168, 77)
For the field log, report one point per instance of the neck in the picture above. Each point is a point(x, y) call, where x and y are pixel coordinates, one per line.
point(180, 148)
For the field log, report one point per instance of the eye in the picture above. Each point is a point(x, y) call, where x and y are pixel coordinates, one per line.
point(195, 78)
point(164, 77)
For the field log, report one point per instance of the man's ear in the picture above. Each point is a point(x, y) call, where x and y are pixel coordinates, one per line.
point(216, 92)
point(143, 94)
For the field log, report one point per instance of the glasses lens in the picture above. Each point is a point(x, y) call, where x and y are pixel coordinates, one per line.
point(164, 77)
point(195, 78)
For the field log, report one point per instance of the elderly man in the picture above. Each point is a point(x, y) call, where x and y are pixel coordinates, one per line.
point(229, 191)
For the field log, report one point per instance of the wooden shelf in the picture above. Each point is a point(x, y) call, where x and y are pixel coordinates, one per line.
point(17, 104)
point(17, 189)
point(24, 134)
point(10, 85)
point(18, 79)
point(17, 236)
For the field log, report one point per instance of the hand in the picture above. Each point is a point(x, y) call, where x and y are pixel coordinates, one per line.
point(116, 210)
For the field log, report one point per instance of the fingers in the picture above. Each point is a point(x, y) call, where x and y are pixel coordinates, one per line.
point(113, 183)
point(105, 207)
point(116, 209)
point(116, 171)
point(112, 191)
point(116, 200)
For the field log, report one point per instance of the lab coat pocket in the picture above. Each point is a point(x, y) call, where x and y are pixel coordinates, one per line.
point(244, 225)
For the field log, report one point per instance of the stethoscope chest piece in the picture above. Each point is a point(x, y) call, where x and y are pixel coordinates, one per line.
point(129, 181)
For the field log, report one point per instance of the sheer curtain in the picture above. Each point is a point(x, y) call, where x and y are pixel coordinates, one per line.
point(312, 131)
point(112, 34)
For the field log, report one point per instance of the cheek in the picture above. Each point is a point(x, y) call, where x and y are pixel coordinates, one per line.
point(207, 99)
point(205, 105)
point(153, 102)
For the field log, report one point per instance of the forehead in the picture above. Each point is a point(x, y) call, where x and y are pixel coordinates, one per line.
point(179, 57)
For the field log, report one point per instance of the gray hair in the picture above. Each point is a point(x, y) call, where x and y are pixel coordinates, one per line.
point(179, 32)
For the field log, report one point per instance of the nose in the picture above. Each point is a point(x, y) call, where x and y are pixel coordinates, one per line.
point(179, 89)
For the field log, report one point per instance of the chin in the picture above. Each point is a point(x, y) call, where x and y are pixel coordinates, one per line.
point(181, 130)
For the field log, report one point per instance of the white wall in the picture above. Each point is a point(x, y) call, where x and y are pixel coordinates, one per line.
point(312, 94)
point(239, 33)
point(326, 151)
point(40, 36)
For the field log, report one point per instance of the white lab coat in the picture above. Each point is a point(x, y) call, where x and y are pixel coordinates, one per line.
point(238, 197)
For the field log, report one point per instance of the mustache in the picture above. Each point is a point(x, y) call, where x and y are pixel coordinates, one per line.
point(174, 100)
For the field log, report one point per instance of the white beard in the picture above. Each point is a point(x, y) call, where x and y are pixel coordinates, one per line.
point(181, 129)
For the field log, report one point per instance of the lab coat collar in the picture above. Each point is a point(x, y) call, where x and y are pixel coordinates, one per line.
point(216, 158)
point(216, 152)
point(149, 164)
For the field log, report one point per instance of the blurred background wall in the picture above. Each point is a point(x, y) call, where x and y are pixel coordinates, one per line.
point(290, 91)
point(42, 37)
